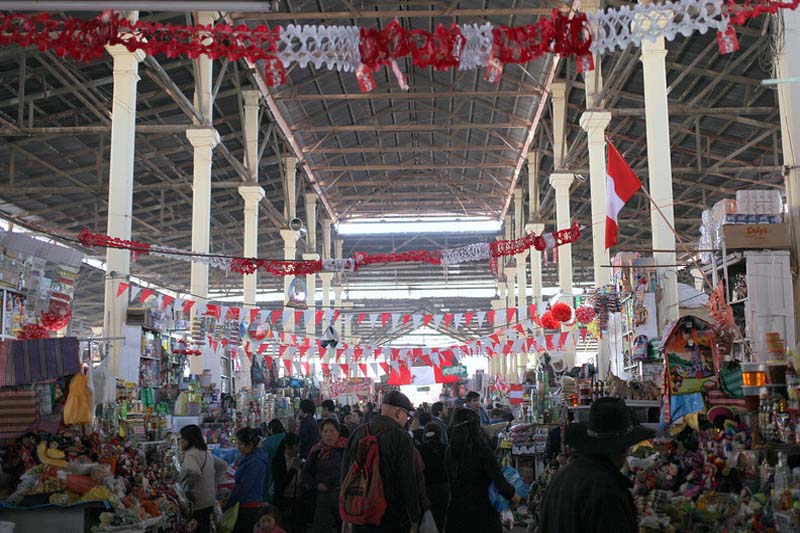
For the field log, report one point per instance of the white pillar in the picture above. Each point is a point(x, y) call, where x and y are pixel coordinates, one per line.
point(289, 254)
point(311, 255)
point(120, 196)
point(252, 195)
point(594, 124)
point(311, 222)
point(251, 107)
point(536, 267)
point(203, 140)
point(496, 363)
point(789, 102)
point(337, 304)
point(659, 168)
point(326, 276)
point(519, 226)
point(561, 183)
point(290, 201)
point(559, 102)
point(347, 308)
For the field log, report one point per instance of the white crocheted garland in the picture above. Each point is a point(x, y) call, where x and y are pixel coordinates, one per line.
point(616, 28)
point(472, 252)
point(339, 265)
point(222, 263)
point(478, 46)
point(335, 47)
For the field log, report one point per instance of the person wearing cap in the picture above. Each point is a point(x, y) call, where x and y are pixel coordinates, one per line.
point(397, 463)
point(590, 494)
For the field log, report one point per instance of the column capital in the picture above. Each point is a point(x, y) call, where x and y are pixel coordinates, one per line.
point(251, 97)
point(653, 50)
point(536, 228)
point(289, 236)
point(519, 192)
point(558, 90)
point(310, 256)
point(510, 272)
point(593, 121)
point(311, 197)
point(119, 51)
point(203, 137)
point(326, 276)
point(560, 180)
point(252, 194)
point(497, 303)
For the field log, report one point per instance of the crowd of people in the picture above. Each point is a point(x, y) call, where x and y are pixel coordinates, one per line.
point(434, 466)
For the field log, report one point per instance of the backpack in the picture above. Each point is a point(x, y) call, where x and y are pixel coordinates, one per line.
point(361, 499)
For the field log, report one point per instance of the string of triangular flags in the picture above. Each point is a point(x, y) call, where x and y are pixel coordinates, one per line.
point(302, 318)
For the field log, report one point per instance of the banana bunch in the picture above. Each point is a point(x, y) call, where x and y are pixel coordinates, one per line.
point(51, 456)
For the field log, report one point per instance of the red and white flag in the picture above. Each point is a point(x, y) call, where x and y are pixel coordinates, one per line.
point(621, 185)
point(515, 395)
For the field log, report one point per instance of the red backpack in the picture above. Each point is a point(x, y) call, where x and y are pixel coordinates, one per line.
point(361, 499)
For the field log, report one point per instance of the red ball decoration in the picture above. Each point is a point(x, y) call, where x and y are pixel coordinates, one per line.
point(561, 312)
point(585, 314)
point(549, 321)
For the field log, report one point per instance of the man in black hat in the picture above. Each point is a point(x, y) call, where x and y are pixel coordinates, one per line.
point(396, 458)
point(590, 494)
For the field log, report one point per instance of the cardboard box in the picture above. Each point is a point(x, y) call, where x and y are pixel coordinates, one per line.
point(757, 236)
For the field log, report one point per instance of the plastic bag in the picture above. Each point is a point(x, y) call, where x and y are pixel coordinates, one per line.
point(428, 525)
point(79, 407)
point(507, 518)
point(499, 503)
point(228, 520)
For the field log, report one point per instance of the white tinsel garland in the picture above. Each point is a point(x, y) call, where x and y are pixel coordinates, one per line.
point(616, 28)
point(478, 47)
point(335, 47)
point(472, 252)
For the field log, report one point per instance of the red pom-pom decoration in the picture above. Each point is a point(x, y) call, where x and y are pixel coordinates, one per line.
point(585, 314)
point(561, 312)
point(33, 331)
point(549, 321)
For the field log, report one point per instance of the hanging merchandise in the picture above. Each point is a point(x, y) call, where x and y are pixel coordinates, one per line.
point(297, 294)
point(562, 312)
point(79, 408)
point(585, 314)
point(330, 339)
point(549, 321)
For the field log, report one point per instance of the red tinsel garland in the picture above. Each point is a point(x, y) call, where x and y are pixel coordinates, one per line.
point(740, 13)
point(84, 40)
point(433, 257)
point(561, 312)
point(89, 239)
point(549, 321)
point(516, 246)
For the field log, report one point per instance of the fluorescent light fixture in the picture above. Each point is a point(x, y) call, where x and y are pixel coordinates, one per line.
point(393, 225)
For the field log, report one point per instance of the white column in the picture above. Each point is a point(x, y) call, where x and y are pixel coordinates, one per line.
point(659, 168)
point(337, 299)
point(789, 101)
point(536, 266)
point(326, 276)
point(347, 308)
point(594, 124)
point(251, 107)
point(561, 183)
point(289, 254)
point(511, 301)
point(519, 226)
point(311, 255)
point(203, 140)
point(290, 201)
point(120, 196)
point(252, 195)
point(559, 102)
point(496, 363)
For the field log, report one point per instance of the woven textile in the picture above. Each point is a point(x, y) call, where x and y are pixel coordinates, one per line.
point(19, 412)
point(44, 359)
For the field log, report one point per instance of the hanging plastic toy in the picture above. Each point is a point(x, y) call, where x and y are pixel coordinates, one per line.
point(329, 339)
point(297, 294)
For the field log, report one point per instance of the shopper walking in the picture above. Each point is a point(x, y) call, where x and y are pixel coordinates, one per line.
point(270, 446)
point(287, 468)
point(248, 490)
point(432, 451)
point(590, 494)
point(200, 474)
point(439, 414)
point(396, 461)
point(309, 429)
point(322, 472)
point(474, 403)
point(328, 410)
point(471, 467)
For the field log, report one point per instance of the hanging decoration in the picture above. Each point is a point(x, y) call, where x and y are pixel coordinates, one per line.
point(561, 312)
point(55, 319)
point(32, 331)
point(549, 321)
point(242, 265)
point(297, 293)
point(585, 314)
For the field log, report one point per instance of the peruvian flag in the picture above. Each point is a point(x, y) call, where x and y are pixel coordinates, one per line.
point(621, 185)
point(515, 394)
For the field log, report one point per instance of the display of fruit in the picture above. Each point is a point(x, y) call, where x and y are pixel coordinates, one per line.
point(43, 453)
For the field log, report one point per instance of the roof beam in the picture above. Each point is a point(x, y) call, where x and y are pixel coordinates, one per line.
point(406, 127)
point(286, 96)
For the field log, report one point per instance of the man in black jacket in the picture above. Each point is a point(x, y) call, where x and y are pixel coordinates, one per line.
point(396, 463)
point(589, 494)
point(309, 429)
